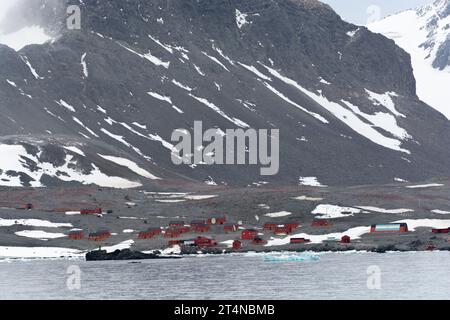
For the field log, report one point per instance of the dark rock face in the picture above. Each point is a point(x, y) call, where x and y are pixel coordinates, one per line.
point(126, 254)
point(134, 47)
point(443, 56)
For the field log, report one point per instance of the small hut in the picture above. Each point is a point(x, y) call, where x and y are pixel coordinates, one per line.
point(249, 234)
point(346, 239)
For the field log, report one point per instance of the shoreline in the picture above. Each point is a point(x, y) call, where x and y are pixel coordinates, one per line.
point(224, 253)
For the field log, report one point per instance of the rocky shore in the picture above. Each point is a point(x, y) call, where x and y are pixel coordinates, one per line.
point(126, 254)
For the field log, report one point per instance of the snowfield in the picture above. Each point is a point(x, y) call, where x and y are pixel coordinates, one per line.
point(306, 198)
point(422, 223)
point(310, 181)
point(381, 210)
point(39, 234)
point(39, 253)
point(278, 214)
point(440, 211)
point(328, 211)
point(200, 197)
point(423, 186)
point(33, 223)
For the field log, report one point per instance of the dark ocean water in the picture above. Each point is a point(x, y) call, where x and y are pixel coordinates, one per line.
point(345, 276)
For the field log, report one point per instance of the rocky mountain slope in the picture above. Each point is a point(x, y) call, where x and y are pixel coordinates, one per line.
point(425, 34)
point(113, 92)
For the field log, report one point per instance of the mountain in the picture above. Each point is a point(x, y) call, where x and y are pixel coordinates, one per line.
point(425, 34)
point(99, 104)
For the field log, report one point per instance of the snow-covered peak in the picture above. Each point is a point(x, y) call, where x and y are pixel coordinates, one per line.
point(425, 34)
point(24, 37)
point(16, 29)
point(435, 20)
point(440, 7)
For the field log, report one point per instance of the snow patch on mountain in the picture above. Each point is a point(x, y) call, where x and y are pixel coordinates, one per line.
point(130, 165)
point(216, 109)
point(345, 115)
point(310, 181)
point(148, 56)
point(19, 167)
point(385, 100)
point(241, 19)
point(33, 223)
point(214, 59)
point(39, 234)
point(84, 65)
point(385, 121)
point(382, 210)
point(328, 211)
point(32, 69)
point(26, 36)
point(75, 150)
point(282, 96)
point(64, 104)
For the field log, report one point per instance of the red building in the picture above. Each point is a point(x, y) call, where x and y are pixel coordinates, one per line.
point(91, 211)
point(299, 240)
point(174, 224)
point(346, 239)
point(99, 236)
point(217, 220)
point(149, 233)
point(202, 228)
point(195, 223)
point(204, 242)
point(321, 223)
point(270, 226)
point(172, 233)
point(28, 206)
point(282, 230)
point(292, 226)
point(106, 233)
point(447, 230)
point(259, 241)
point(76, 235)
point(249, 234)
point(237, 245)
point(184, 229)
point(231, 227)
point(155, 231)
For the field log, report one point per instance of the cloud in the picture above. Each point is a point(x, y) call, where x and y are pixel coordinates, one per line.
point(9, 14)
point(5, 6)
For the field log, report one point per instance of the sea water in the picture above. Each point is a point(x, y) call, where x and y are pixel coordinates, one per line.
point(420, 275)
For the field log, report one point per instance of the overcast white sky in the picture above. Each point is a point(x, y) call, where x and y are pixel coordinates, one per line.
point(4, 6)
point(362, 11)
